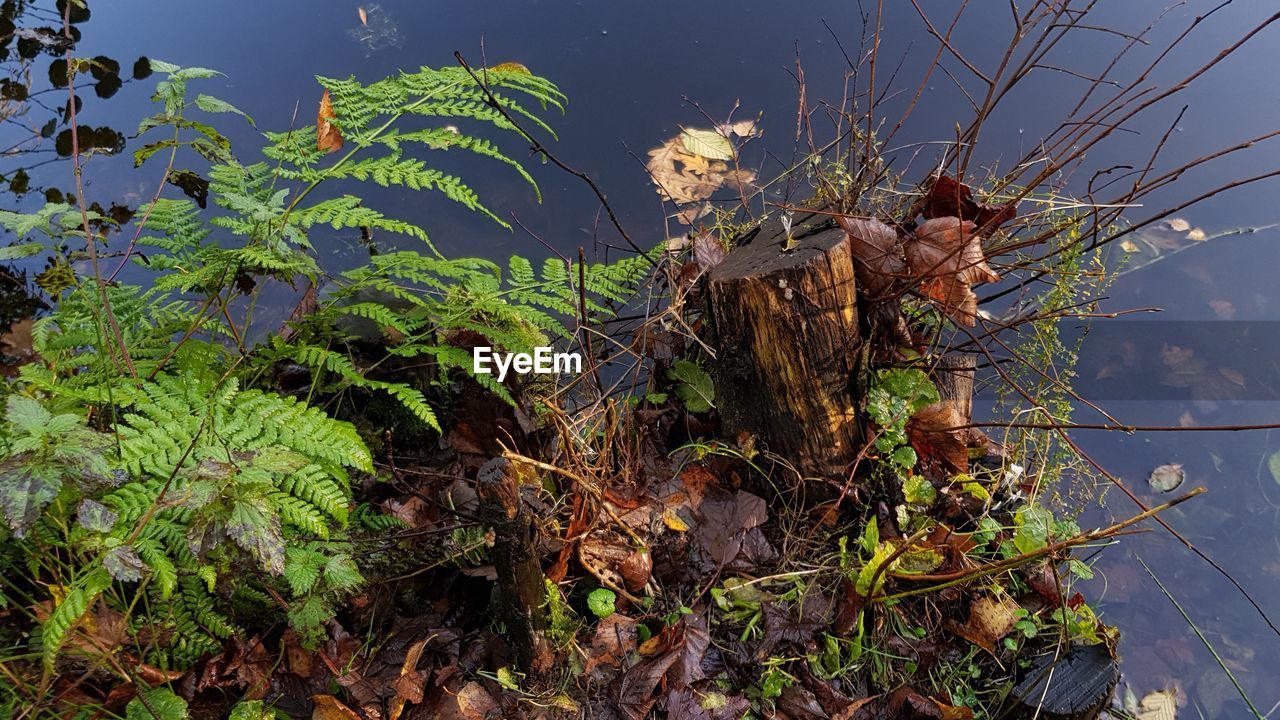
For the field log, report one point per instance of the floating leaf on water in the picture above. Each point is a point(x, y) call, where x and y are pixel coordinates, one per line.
point(1273, 464)
point(1167, 477)
point(685, 177)
point(1178, 224)
point(1161, 705)
point(1233, 375)
point(364, 16)
point(706, 143)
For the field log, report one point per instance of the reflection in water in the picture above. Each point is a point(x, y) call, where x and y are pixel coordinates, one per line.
point(377, 31)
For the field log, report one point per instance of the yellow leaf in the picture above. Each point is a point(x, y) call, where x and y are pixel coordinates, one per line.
point(513, 67)
point(674, 521)
point(327, 707)
point(1162, 705)
point(707, 143)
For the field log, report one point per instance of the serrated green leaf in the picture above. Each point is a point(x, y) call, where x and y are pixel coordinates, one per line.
point(156, 704)
point(209, 103)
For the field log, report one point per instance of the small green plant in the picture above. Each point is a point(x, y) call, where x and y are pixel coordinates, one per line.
point(897, 394)
point(601, 602)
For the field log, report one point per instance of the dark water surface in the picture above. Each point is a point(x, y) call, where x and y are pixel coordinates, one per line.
point(626, 67)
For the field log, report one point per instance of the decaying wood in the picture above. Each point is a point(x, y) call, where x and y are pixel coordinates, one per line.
point(1073, 686)
point(953, 376)
point(787, 342)
point(520, 593)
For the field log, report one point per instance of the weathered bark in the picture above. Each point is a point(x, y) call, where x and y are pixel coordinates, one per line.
point(787, 342)
point(953, 376)
point(520, 593)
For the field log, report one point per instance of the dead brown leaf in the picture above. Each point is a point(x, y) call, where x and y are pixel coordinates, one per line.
point(615, 638)
point(948, 198)
point(409, 686)
point(947, 256)
point(684, 177)
point(328, 136)
point(990, 619)
point(877, 255)
point(471, 702)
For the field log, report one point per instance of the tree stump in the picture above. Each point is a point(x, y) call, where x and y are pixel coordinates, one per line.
point(520, 594)
point(953, 375)
point(787, 342)
point(1074, 687)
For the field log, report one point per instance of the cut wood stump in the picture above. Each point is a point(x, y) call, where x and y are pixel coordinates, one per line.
point(520, 593)
point(1074, 686)
point(787, 341)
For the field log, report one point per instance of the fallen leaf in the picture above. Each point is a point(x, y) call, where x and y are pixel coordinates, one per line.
point(948, 257)
point(1160, 705)
point(19, 343)
point(706, 143)
point(409, 686)
point(615, 638)
point(636, 570)
point(471, 702)
point(327, 707)
point(684, 177)
point(724, 520)
point(990, 619)
point(1232, 375)
point(364, 16)
point(708, 251)
point(706, 704)
point(1167, 477)
point(328, 136)
point(514, 67)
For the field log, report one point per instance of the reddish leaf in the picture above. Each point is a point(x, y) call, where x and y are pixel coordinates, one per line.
point(877, 255)
point(947, 256)
point(328, 136)
point(948, 198)
point(615, 638)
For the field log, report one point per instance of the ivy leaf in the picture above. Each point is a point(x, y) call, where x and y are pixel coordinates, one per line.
point(695, 387)
point(917, 490)
point(601, 602)
point(160, 704)
point(1035, 525)
point(251, 710)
